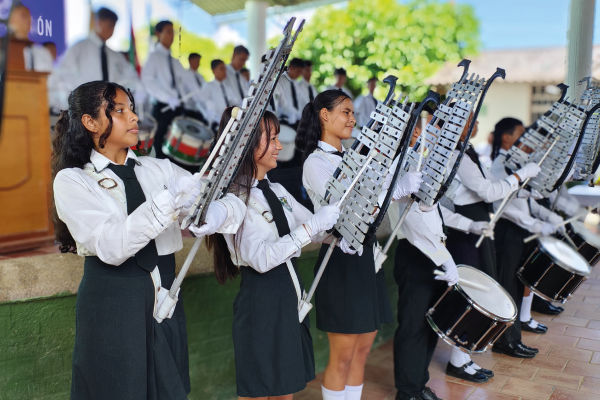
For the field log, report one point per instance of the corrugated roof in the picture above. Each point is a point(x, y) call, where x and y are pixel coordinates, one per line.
point(538, 65)
point(215, 7)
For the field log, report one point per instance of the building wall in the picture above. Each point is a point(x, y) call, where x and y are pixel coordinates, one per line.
point(503, 100)
point(37, 337)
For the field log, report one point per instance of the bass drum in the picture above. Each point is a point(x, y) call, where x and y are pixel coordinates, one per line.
point(472, 319)
point(554, 270)
point(287, 137)
point(587, 242)
point(146, 132)
point(188, 141)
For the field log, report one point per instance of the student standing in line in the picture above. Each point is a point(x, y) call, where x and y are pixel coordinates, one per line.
point(307, 91)
point(120, 212)
point(365, 105)
point(340, 82)
point(217, 95)
point(351, 298)
point(273, 349)
point(234, 79)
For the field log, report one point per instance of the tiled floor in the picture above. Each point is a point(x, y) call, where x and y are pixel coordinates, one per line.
point(566, 368)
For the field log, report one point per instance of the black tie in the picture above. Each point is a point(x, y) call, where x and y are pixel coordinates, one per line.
point(104, 62)
point(338, 153)
point(198, 80)
point(147, 257)
point(276, 208)
point(294, 97)
point(472, 154)
point(173, 82)
point(311, 97)
point(237, 79)
point(272, 102)
point(32, 58)
point(224, 95)
point(375, 101)
point(444, 227)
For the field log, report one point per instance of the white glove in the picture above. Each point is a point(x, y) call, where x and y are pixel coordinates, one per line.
point(347, 248)
point(173, 103)
point(577, 174)
point(451, 275)
point(215, 217)
point(425, 208)
point(183, 191)
point(479, 227)
point(556, 219)
point(528, 171)
point(324, 219)
point(543, 228)
point(408, 184)
point(536, 195)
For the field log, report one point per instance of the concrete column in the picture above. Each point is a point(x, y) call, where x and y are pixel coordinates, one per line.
point(256, 17)
point(580, 37)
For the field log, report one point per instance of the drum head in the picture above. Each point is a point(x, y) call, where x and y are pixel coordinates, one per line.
point(193, 127)
point(590, 237)
point(497, 301)
point(564, 255)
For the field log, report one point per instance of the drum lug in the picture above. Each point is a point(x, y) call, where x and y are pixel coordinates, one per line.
point(460, 341)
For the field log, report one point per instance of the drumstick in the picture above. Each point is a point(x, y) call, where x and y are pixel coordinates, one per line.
point(464, 282)
point(567, 221)
point(509, 198)
point(424, 137)
point(183, 99)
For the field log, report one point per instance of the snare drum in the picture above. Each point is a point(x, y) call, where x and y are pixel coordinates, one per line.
point(188, 141)
point(554, 270)
point(287, 137)
point(587, 242)
point(471, 319)
point(146, 131)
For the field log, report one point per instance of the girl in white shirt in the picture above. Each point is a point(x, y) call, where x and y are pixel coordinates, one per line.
point(120, 211)
point(351, 298)
point(273, 349)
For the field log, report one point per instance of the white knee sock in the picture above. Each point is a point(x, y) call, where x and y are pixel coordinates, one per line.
point(458, 359)
point(353, 392)
point(332, 394)
point(526, 308)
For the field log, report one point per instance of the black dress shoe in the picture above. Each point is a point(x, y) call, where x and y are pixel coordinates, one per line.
point(486, 372)
point(513, 350)
point(428, 394)
point(545, 307)
point(459, 372)
point(403, 396)
point(528, 348)
point(527, 328)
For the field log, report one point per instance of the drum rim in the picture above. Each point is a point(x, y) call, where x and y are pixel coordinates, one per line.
point(537, 292)
point(577, 226)
point(482, 310)
point(453, 343)
point(560, 264)
point(183, 117)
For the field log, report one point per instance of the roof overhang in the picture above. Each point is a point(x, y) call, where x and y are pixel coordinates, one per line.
point(215, 7)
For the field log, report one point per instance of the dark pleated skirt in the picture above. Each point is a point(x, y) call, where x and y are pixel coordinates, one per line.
point(273, 350)
point(351, 298)
point(121, 352)
point(462, 245)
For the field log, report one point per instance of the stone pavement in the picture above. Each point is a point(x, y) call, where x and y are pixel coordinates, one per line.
point(566, 368)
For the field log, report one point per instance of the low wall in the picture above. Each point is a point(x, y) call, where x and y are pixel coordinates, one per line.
point(37, 324)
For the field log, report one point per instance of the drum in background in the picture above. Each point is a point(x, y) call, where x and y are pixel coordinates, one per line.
point(587, 242)
point(287, 137)
point(188, 141)
point(472, 319)
point(146, 131)
point(554, 270)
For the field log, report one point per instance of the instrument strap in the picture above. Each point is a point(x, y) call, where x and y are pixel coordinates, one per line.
point(116, 192)
point(254, 204)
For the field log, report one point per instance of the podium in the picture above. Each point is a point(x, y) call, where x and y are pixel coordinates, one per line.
point(25, 162)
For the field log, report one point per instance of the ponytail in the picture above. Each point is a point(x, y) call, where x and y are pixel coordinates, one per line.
point(308, 133)
point(506, 126)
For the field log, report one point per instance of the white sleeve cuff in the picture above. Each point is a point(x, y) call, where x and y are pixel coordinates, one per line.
point(163, 211)
point(300, 236)
point(513, 182)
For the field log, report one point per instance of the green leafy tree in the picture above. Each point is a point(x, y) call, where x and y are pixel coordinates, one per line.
point(381, 37)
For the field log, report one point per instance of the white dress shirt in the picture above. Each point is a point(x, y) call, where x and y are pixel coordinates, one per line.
point(259, 246)
point(82, 63)
point(217, 97)
point(233, 78)
point(99, 223)
point(522, 211)
point(471, 186)
point(363, 107)
point(195, 82)
point(303, 88)
point(343, 89)
point(157, 78)
point(286, 100)
point(37, 58)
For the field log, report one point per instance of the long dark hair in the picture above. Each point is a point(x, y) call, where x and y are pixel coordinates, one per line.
point(73, 142)
point(506, 126)
point(242, 185)
point(309, 128)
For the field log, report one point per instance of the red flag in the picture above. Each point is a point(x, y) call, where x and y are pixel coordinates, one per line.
point(133, 58)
